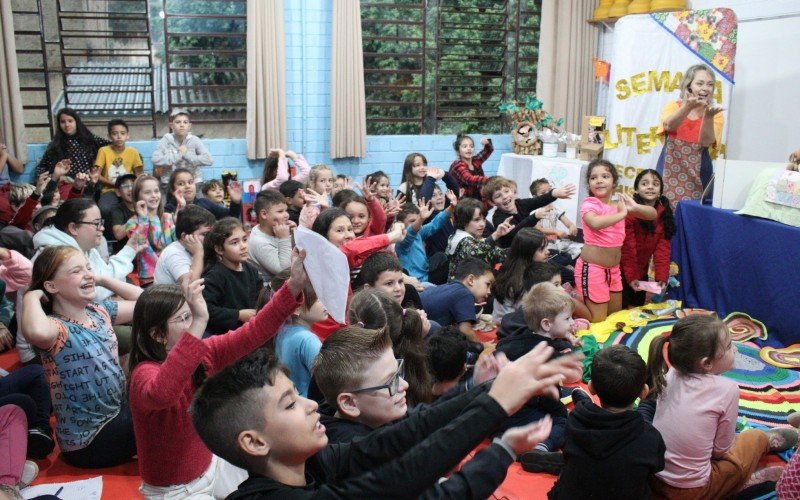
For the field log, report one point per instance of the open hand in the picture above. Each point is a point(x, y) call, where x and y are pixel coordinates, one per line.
point(525, 438)
point(192, 244)
point(235, 191)
point(425, 209)
point(451, 196)
point(565, 192)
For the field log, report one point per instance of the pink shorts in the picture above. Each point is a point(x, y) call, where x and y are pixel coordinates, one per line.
point(596, 282)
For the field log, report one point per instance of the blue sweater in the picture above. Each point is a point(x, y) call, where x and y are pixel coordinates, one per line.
point(411, 251)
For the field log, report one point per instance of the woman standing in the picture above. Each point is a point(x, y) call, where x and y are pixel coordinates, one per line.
point(690, 124)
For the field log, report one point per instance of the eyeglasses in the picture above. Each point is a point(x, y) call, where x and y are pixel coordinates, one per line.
point(126, 187)
point(96, 223)
point(183, 318)
point(392, 385)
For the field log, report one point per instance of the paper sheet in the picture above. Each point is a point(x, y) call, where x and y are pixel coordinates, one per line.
point(87, 489)
point(327, 269)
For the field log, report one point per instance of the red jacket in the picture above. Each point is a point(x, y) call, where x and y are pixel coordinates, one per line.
point(640, 244)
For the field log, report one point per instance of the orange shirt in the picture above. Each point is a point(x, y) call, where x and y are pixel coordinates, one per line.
point(689, 130)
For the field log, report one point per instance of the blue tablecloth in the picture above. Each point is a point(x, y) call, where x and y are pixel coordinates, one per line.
point(732, 262)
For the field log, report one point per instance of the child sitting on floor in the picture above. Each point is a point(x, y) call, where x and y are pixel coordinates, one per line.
point(276, 169)
point(528, 248)
point(454, 302)
point(271, 240)
point(183, 259)
point(696, 415)
point(468, 241)
point(411, 251)
point(169, 361)
point(523, 212)
point(251, 415)
point(292, 190)
point(151, 226)
point(383, 272)
point(564, 249)
point(548, 314)
point(407, 330)
point(296, 345)
point(214, 199)
point(232, 284)
point(609, 450)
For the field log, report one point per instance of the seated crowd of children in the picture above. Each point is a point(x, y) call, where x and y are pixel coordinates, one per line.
point(152, 322)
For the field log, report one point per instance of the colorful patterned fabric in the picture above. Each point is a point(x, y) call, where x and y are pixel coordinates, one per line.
point(711, 34)
point(767, 392)
point(682, 171)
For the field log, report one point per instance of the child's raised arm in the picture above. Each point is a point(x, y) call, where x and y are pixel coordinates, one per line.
point(39, 330)
point(129, 294)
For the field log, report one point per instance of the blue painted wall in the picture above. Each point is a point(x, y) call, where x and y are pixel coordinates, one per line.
point(308, 74)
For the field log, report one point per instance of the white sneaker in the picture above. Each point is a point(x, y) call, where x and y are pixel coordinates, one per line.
point(29, 472)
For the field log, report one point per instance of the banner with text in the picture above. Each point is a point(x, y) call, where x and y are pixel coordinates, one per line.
point(650, 54)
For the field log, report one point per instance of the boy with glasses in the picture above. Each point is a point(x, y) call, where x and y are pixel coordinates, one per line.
point(121, 212)
point(251, 415)
point(362, 382)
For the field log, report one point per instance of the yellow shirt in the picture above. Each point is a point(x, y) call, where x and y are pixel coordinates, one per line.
point(114, 164)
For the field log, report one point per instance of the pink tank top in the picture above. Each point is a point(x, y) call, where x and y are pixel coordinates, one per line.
point(610, 237)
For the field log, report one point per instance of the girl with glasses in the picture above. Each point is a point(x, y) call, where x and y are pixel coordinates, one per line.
point(169, 361)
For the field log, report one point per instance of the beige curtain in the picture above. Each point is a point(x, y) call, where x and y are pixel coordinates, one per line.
point(12, 124)
point(348, 106)
point(266, 78)
point(565, 76)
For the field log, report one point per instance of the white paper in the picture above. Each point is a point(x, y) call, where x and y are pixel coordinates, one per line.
point(87, 489)
point(327, 269)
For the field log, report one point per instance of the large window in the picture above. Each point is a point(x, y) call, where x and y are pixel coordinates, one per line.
point(443, 66)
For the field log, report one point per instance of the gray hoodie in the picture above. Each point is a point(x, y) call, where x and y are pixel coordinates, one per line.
point(169, 158)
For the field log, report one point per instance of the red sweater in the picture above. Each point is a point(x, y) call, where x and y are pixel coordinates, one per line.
point(170, 451)
point(640, 244)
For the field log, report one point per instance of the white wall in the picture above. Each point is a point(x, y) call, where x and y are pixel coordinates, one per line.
point(765, 112)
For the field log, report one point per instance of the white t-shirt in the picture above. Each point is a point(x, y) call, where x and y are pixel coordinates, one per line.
point(174, 262)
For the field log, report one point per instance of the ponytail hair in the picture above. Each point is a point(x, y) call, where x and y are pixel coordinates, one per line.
point(692, 338)
point(375, 310)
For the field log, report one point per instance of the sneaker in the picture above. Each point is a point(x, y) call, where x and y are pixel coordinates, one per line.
point(29, 472)
point(40, 443)
point(542, 461)
point(781, 439)
point(11, 491)
point(794, 419)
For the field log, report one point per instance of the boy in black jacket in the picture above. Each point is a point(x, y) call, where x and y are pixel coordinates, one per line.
point(502, 193)
point(547, 310)
point(251, 415)
point(610, 451)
